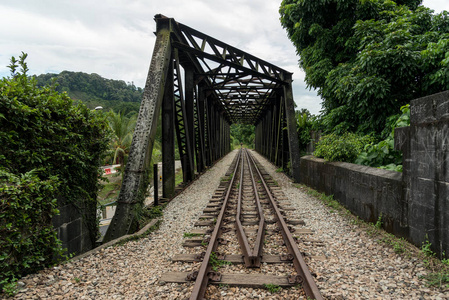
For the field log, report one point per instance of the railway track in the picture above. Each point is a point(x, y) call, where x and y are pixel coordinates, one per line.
point(245, 230)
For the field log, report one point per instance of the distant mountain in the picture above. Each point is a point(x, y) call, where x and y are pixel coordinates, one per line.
point(94, 90)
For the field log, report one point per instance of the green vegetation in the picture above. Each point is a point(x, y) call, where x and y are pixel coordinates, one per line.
point(94, 90)
point(345, 147)
point(368, 58)
point(439, 277)
point(272, 288)
point(145, 214)
point(242, 134)
point(189, 234)
point(426, 248)
point(28, 240)
point(328, 200)
point(382, 154)
point(217, 263)
point(122, 129)
point(378, 224)
point(51, 149)
point(109, 187)
point(305, 123)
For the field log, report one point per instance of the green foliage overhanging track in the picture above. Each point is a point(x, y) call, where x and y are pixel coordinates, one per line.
point(51, 149)
point(368, 58)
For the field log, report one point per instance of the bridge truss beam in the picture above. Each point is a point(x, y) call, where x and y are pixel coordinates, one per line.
point(201, 86)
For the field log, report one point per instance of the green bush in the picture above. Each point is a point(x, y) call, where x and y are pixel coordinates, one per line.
point(345, 147)
point(28, 241)
point(43, 130)
point(382, 154)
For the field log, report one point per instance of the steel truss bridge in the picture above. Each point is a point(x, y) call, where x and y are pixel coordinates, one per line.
point(199, 86)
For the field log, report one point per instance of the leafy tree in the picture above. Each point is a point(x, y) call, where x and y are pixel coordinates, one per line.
point(243, 133)
point(345, 147)
point(122, 128)
point(50, 149)
point(303, 127)
point(94, 90)
point(368, 58)
point(382, 154)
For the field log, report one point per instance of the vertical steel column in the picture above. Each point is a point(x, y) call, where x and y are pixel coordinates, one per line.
point(273, 133)
point(285, 146)
point(265, 140)
point(293, 141)
point(222, 136)
point(182, 130)
point(214, 133)
point(270, 127)
point(168, 136)
point(267, 135)
point(189, 103)
point(258, 138)
point(278, 155)
point(211, 127)
point(207, 135)
point(201, 159)
point(136, 175)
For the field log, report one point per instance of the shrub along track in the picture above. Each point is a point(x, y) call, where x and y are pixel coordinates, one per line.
point(244, 230)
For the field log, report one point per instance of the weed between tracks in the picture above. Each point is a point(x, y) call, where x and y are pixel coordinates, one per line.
point(439, 269)
point(189, 234)
point(217, 263)
point(272, 288)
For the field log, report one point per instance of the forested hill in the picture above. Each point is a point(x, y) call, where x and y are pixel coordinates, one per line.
point(94, 90)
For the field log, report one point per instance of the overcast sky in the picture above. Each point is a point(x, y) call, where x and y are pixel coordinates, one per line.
point(114, 38)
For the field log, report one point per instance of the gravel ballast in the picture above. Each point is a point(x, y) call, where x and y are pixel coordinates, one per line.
point(357, 266)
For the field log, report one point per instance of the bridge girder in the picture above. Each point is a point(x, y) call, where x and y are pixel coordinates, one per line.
point(201, 86)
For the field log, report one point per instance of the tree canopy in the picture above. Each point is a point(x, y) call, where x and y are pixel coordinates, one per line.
point(367, 58)
point(94, 90)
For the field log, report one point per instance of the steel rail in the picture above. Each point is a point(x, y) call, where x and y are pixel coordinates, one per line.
point(251, 255)
point(308, 283)
point(202, 279)
point(241, 236)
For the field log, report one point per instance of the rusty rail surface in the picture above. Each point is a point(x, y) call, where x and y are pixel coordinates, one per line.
point(205, 273)
point(305, 277)
point(251, 256)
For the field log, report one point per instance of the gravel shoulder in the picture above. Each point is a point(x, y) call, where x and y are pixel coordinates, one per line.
point(357, 266)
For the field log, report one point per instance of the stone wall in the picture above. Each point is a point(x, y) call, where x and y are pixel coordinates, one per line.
point(367, 192)
point(425, 145)
point(414, 204)
point(71, 229)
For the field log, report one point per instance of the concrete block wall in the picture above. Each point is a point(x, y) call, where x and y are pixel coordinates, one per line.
point(425, 145)
point(414, 204)
point(71, 229)
point(367, 192)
